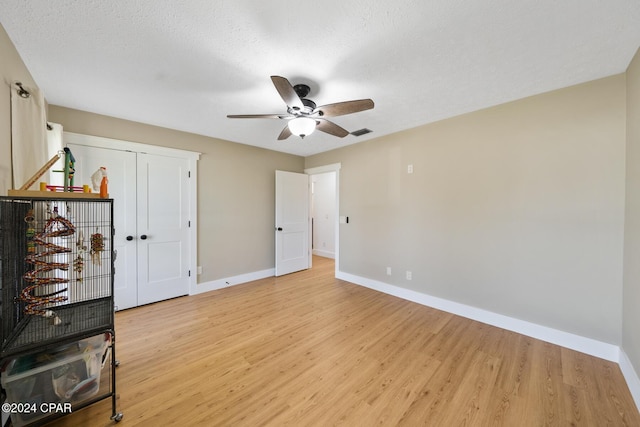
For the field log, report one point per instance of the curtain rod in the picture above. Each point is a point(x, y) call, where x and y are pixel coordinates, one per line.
point(26, 94)
point(22, 91)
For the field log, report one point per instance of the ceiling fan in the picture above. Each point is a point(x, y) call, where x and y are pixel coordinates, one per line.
point(303, 116)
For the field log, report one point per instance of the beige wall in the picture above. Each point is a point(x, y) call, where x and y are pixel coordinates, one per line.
point(236, 190)
point(12, 69)
point(516, 209)
point(631, 300)
point(235, 222)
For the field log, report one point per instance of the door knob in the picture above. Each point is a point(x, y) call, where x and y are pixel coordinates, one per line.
point(143, 237)
point(279, 229)
point(129, 238)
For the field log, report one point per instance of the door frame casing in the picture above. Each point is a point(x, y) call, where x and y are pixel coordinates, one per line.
point(192, 158)
point(333, 167)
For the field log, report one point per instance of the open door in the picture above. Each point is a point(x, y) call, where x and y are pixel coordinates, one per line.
point(293, 246)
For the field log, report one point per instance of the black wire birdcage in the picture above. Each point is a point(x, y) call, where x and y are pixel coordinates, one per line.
point(56, 270)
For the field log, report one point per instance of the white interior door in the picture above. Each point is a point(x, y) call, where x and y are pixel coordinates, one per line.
point(293, 248)
point(163, 228)
point(121, 166)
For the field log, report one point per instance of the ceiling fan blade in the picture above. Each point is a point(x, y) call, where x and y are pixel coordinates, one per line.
point(331, 128)
point(288, 94)
point(347, 107)
point(258, 116)
point(286, 133)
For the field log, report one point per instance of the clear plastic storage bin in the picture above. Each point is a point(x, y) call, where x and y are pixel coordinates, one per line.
point(66, 374)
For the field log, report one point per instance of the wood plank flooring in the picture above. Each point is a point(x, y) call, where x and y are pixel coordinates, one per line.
point(309, 350)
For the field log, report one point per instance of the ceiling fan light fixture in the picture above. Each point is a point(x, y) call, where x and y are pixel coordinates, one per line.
point(303, 115)
point(302, 126)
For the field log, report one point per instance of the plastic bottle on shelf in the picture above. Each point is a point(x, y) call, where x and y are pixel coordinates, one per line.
point(103, 187)
point(99, 180)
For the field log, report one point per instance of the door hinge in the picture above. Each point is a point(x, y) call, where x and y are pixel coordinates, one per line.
point(189, 174)
point(188, 223)
point(189, 273)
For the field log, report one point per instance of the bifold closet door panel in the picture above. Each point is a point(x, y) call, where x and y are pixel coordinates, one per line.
point(121, 170)
point(163, 227)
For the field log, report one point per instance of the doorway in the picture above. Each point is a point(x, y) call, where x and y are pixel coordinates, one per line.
point(323, 214)
point(325, 208)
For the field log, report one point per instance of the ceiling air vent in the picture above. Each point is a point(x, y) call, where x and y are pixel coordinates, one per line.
point(361, 132)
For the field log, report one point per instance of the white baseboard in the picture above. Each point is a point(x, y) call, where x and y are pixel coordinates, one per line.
point(579, 343)
point(631, 376)
point(231, 281)
point(575, 342)
point(325, 254)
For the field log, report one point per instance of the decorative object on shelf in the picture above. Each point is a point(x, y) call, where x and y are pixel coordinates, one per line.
point(97, 246)
point(40, 276)
point(100, 181)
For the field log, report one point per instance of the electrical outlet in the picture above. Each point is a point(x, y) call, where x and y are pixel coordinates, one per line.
point(388, 271)
point(199, 269)
point(410, 169)
point(409, 275)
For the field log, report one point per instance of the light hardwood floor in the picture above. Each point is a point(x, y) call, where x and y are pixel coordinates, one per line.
point(309, 350)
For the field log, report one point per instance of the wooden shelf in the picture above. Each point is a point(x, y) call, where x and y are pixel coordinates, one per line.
point(54, 194)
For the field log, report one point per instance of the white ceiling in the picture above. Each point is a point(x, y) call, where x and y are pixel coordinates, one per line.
point(187, 64)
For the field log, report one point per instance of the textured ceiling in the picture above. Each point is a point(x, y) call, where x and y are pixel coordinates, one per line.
point(187, 64)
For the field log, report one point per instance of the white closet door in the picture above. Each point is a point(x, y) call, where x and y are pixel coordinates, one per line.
point(151, 221)
point(121, 168)
point(163, 227)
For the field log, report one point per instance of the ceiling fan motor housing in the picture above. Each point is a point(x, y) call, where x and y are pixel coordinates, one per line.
point(302, 91)
point(309, 104)
point(308, 107)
